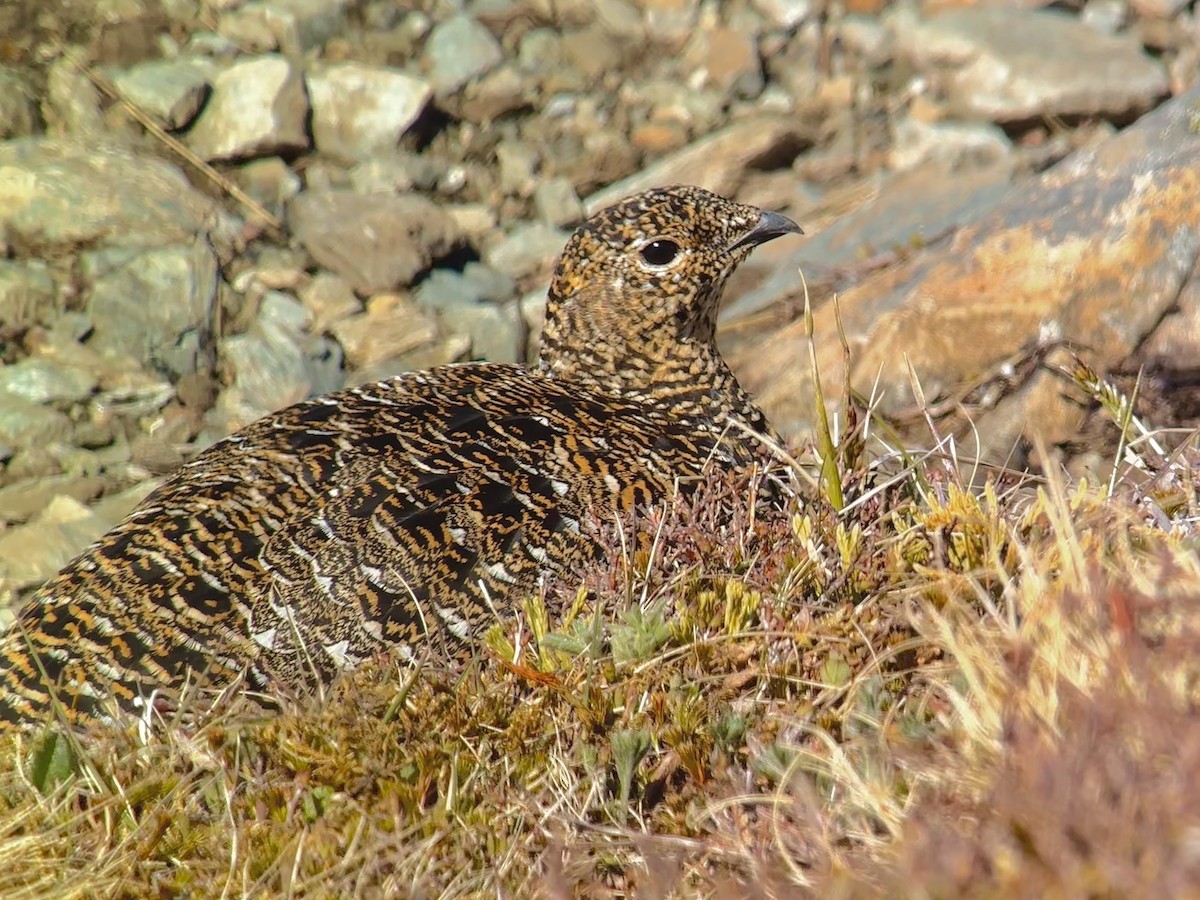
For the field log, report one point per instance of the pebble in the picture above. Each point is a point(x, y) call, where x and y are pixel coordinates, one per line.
point(41, 380)
point(26, 291)
point(459, 49)
point(328, 300)
point(376, 242)
point(165, 334)
point(18, 107)
point(1009, 64)
point(172, 91)
point(390, 326)
point(258, 108)
point(950, 144)
point(525, 250)
point(360, 110)
point(556, 203)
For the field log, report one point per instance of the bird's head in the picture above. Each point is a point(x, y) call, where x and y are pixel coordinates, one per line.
point(639, 284)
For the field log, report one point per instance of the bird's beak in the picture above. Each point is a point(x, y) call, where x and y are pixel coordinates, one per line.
point(769, 226)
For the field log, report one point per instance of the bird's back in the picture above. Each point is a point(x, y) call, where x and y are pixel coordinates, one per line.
point(388, 515)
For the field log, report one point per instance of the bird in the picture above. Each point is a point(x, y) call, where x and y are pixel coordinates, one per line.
point(407, 514)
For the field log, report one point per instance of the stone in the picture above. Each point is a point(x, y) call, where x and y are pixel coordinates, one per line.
point(459, 49)
point(24, 500)
point(494, 329)
point(359, 110)
point(182, 280)
point(390, 326)
point(784, 13)
point(270, 181)
point(27, 292)
point(376, 242)
point(718, 162)
point(1077, 253)
point(518, 164)
point(724, 58)
point(258, 108)
point(394, 172)
point(328, 300)
point(949, 144)
point(43, 380)
point(64, 194)
point(292, 26)
point(18, 106)
point(1012, 65)
point(275, 363)
point(171, 91)
point(556, 202)
point(526, 250)
point(71, 104)
point(24, 424)
point(29, 554)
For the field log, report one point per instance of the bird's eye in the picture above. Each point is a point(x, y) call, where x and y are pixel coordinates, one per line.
point(660, 252)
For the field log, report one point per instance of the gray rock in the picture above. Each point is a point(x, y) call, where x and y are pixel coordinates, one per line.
point(784, 13)
point(1008, 64)
point(41, 379)
point(475, 284)
point(518, 164)
point(458, 50)
point(395, 172)
point(24, 424)
point(61, 194)
point(172, 91)
point(153, 304)
point(526, 249)
point(328, 300)
point(258, 108)
point(374, 241)
point(557, 203)
point(270, 181)
point(27, 292)
point(18, 108)
point(275, 363)
point(293, 26)
point(71, 104)
point(360, 110)
point(494, 329)
point(950, 144)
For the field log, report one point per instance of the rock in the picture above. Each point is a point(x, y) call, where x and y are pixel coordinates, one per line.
point(153, 304)
point(1077, 253)
point(292, 26)
point(494, 330)
point(275, 363)
point(717, 162)
point(374, 241)
point(1105, 16)
point(474, 221)
point(42, 380)
point(29, 425)
point(502, 90)
point(1159, 9)
point(270, 181)
point(591, 52)
point(556, 202)
point(328, 300)
point(71, 105)
point(394, 172)
point(518, 168)
point(18, 107)
point(475, 284)
point(1011, 65)
point(25, 499)
point(949, 144)
point(527, 249)
point(172, 91)
point(258, 108)
point(64, 194)
point(459, 49)
point(391, 326)
point(784, 13)
point(32, 553)
point(726, 58)
point(27, 292)
point(360, 110)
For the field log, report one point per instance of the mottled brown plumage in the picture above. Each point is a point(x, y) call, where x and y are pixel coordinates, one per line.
point(412, 510)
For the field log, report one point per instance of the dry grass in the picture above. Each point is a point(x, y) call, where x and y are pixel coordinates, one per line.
point(936, 691)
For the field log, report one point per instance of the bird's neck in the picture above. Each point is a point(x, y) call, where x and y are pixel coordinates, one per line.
point(686, 380)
